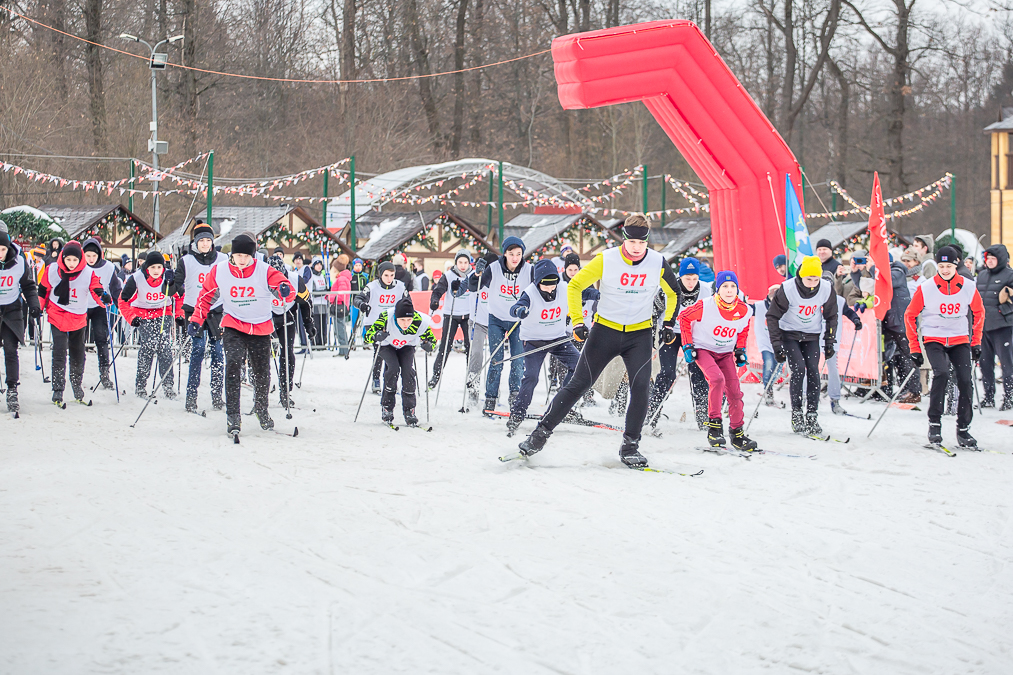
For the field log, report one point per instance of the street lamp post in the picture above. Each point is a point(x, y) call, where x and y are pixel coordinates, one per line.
point(157, 61)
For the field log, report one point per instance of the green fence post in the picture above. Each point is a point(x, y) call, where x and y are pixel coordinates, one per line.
point(644, 186)
point(353, 242)
point(500, 204)
point(953, 209)
point(663, 185)
point(211, 183)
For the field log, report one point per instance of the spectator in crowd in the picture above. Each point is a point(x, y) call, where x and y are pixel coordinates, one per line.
point(401, 272)
point(421, 280)
point(910, 261)
point(894, 333)
point(969, 270)
point(53, 251)
point(340, 298)
point(995, 285)
point(851, 283)
point(923, 246)
point(706, 269)
point(780, 263)
point(825, 252)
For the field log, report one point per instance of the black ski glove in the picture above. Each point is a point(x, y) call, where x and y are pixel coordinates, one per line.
point(180, 321)
point(780, 354)
point(976, 353)
point(380, 336)
point(455, 285)
point(480, 267)
point(35, 312)
point(667, 335)
point(193, 329)
point(365, 309)
point(858, 324)
point(917, 359)
point(521, 312)
point(740, 357)
point(579, 333)
point(428, 346)
point(434, 304)
point(135, 322)
point(283, 290)
point(106, 299)
point(828, 350)
point(168, 276)
point(311, 330)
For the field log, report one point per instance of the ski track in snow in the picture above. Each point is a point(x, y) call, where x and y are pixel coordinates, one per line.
point(358, 549)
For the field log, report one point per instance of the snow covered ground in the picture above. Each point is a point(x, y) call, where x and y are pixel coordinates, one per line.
point(358, 549)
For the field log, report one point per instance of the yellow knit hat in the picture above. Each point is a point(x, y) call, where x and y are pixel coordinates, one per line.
point(811, 267)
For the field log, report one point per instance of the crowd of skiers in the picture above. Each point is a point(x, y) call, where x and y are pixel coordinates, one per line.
point(626, 302)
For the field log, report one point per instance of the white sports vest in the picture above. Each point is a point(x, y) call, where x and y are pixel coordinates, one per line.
point(279, 306)
point(804, 315)
point(545, 320)
point(462, 304)
point(627, 291)
point(382, 299)
point(705, 292)
point(945, 316)
point(196, 273)
point(840, 317)
point(80, 289)
point(760, 330)
point(105, 275)
point(148, 297)
point(481, 315)
point(10, 279)
point(318, 284)
point(503, 293)
point(714, 332)
point(248, 300)
point(397, 339)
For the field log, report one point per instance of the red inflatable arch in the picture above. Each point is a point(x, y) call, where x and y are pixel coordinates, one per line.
point(715, 124)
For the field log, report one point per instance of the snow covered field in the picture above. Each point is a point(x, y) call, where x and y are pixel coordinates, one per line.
point(358, 549)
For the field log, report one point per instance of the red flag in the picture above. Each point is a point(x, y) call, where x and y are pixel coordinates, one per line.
point(879, 251)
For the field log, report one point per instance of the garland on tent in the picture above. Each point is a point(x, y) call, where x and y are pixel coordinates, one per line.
point(424, 237)
point(934, 190)
point(107, 226)
point(860, 241)
point(27, 226)
point(256, 188)
point(405, 198)
point(313, 238)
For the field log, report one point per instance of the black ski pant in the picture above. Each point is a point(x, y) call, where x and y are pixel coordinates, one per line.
point(198, 345)
point(997, 342)
point(941, 358)
point(447, 343)
point(398, 362)
point(155, 341)
point(12, 369)
point(320, 323)
point(286, 355)
point(603, 345)
point(64, 344)
point(902, 363)
point(98, 332)
point(804, 362)
point(565, 352)
point(254, 350)
point(668, 358)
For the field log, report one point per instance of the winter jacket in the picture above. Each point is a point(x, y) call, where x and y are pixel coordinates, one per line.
point(359, 281)
point(894, 321)
point(990, 284)
point(209, 293)
point(694, 313)
point(830, 265)
point(381, 325)
point(12, 315)
point(339, 295)
point(59, 318)
point(115, 283)
point(977, 312)
point(779, 306)
point(406, 277)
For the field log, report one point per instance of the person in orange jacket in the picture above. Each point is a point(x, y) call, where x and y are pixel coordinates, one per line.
point(247, 287)
point(145, 306)
point(943, 301)
point(64, 287)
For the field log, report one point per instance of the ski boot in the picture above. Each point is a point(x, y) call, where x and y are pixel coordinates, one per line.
point(513, 423)
point(986, 403)
point(935, 433)
point(409, 417)
point(715, 433)
point(433, 381)
point(490, 405)
point(1007, 403)
point(191, 403)
point(286, 400)
point(965, 439)
point(512, 398)
point(264, 417)
point(12, 400)
point(630, 455)
point(534, 442)
point(217, 403)
point(169, 393)
point(58, 399)
point(235, 423)
point(104, 380)
point(798, 422)
point(742, 442)
point(768, 398)
point(141, 392)
point(387, 415)
point(376, 385)
point(812, 425)
point(78, 391)
point(836, 407)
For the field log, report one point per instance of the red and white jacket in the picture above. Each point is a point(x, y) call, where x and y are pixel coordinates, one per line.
point(144, 297)
point(62, 318)
point(722, 325)
point(965, 299)
point(209, 294)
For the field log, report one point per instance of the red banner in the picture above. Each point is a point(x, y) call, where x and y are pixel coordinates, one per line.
point(879, 251)
point(420, 300)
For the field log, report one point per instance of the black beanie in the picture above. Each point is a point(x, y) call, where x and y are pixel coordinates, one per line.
point(824, 243)
point(153, 258)
point(202, 231)
point(948, 254)
point(94, 246)
point(72, 248)
point(404, 309)
point(5, 239)
point(384, 267)
point(571, 259)
point(244, 244)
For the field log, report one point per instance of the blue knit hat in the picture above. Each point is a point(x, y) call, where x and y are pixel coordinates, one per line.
point(723, 276)
point(689, 266)
point(780, 260)
point(510, 242)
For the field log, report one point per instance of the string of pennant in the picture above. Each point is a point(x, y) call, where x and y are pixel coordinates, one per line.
point(925, 196)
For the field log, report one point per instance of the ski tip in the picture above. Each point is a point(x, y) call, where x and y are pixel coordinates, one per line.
point(295, 433)
point(17, 416)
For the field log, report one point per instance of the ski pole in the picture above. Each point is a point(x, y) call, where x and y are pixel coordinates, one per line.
point(773, 376)
point(844, 377)
point(38, 345)
point(893, 398)
point(284, 355)
point(505, 337)
point(534, 351)
point(152, 395)
point(427, 388)
point(369, 377)
point(448, 342)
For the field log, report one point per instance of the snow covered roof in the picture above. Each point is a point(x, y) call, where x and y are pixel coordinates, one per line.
point(231, 220)
point(535, 229)
point(680, 235)
point(838, 232)
point(1005, 124)
point(77, 219)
